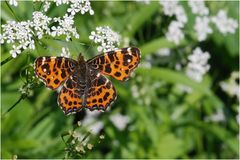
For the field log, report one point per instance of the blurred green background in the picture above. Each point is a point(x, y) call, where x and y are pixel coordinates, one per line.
point(162, 121)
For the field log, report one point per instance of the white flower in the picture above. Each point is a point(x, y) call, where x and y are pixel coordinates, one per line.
point(40, 24)
point(202, 28)
point(65, 52)
point(169, 7)
point(197, 65)
point(198, 7)
point(224, 24)
point(76, 6)
point(18, 33)
point(46, 6)
point(65, 27)
point(175, 33)
point(231, 86)
point(120, 121)
point(13, 2)
point(181, 15)
point(60, 2)
point(106, 37)
point(15, 51)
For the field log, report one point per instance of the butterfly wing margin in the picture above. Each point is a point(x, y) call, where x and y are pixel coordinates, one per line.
point(53, 71)
point(119, 63)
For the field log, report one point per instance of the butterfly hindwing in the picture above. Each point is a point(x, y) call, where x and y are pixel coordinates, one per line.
point(119, 63)
point(70, 96)
point(100, 94)
point(53, 71)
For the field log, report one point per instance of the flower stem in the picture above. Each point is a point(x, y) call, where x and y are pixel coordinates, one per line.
point(6, 60)
point(19, 100)
point(12, 11)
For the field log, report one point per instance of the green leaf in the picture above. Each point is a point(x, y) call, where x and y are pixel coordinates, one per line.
point(179, 78)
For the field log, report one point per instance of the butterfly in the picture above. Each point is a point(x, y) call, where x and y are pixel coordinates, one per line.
point(84, 84)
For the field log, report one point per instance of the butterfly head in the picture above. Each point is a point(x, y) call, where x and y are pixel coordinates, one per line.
point(80, 58)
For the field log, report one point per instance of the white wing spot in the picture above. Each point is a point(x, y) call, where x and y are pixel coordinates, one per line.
point(44, 70)
point(129, 60)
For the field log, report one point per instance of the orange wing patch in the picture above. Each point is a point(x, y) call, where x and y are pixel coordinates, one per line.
point(101, 94)
point(119, 64)
point(69, 98)
point(53, 71)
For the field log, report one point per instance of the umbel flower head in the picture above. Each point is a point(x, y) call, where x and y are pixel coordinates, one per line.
point(106, 37)
point(23, 35)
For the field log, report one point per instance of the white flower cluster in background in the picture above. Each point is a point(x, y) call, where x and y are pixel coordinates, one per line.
point(175, 33)
point(106, 37)
point(202, 22)
point(223, 23)
point(231, 86)
point(172, 8)
point(198, 7)
point(198, 64)
point(202, 28)
point(22, 35)
point(120, 121)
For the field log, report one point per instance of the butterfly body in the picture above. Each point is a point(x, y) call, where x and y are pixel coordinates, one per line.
point(84, 83)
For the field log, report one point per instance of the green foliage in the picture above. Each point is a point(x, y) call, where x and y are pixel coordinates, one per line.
point(164, 121)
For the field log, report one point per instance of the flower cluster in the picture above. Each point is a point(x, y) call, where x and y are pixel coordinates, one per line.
point(202, 28)
point(106, 37)
point(223, 23)
point(79, 142)
point(64, 27)
point(23, 35)
point(231, 86)
point(175, 34)
point(18, 33)
point(198, 7)
point(172, 8)
point(197, 65)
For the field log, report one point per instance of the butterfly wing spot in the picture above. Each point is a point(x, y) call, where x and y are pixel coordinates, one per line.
point(53, 71)
point(119, 63)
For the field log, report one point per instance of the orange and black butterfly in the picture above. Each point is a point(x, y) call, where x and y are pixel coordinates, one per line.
point(84, 83)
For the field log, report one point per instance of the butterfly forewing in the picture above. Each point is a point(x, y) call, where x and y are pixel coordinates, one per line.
point(53, 71)
point(119, 63)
